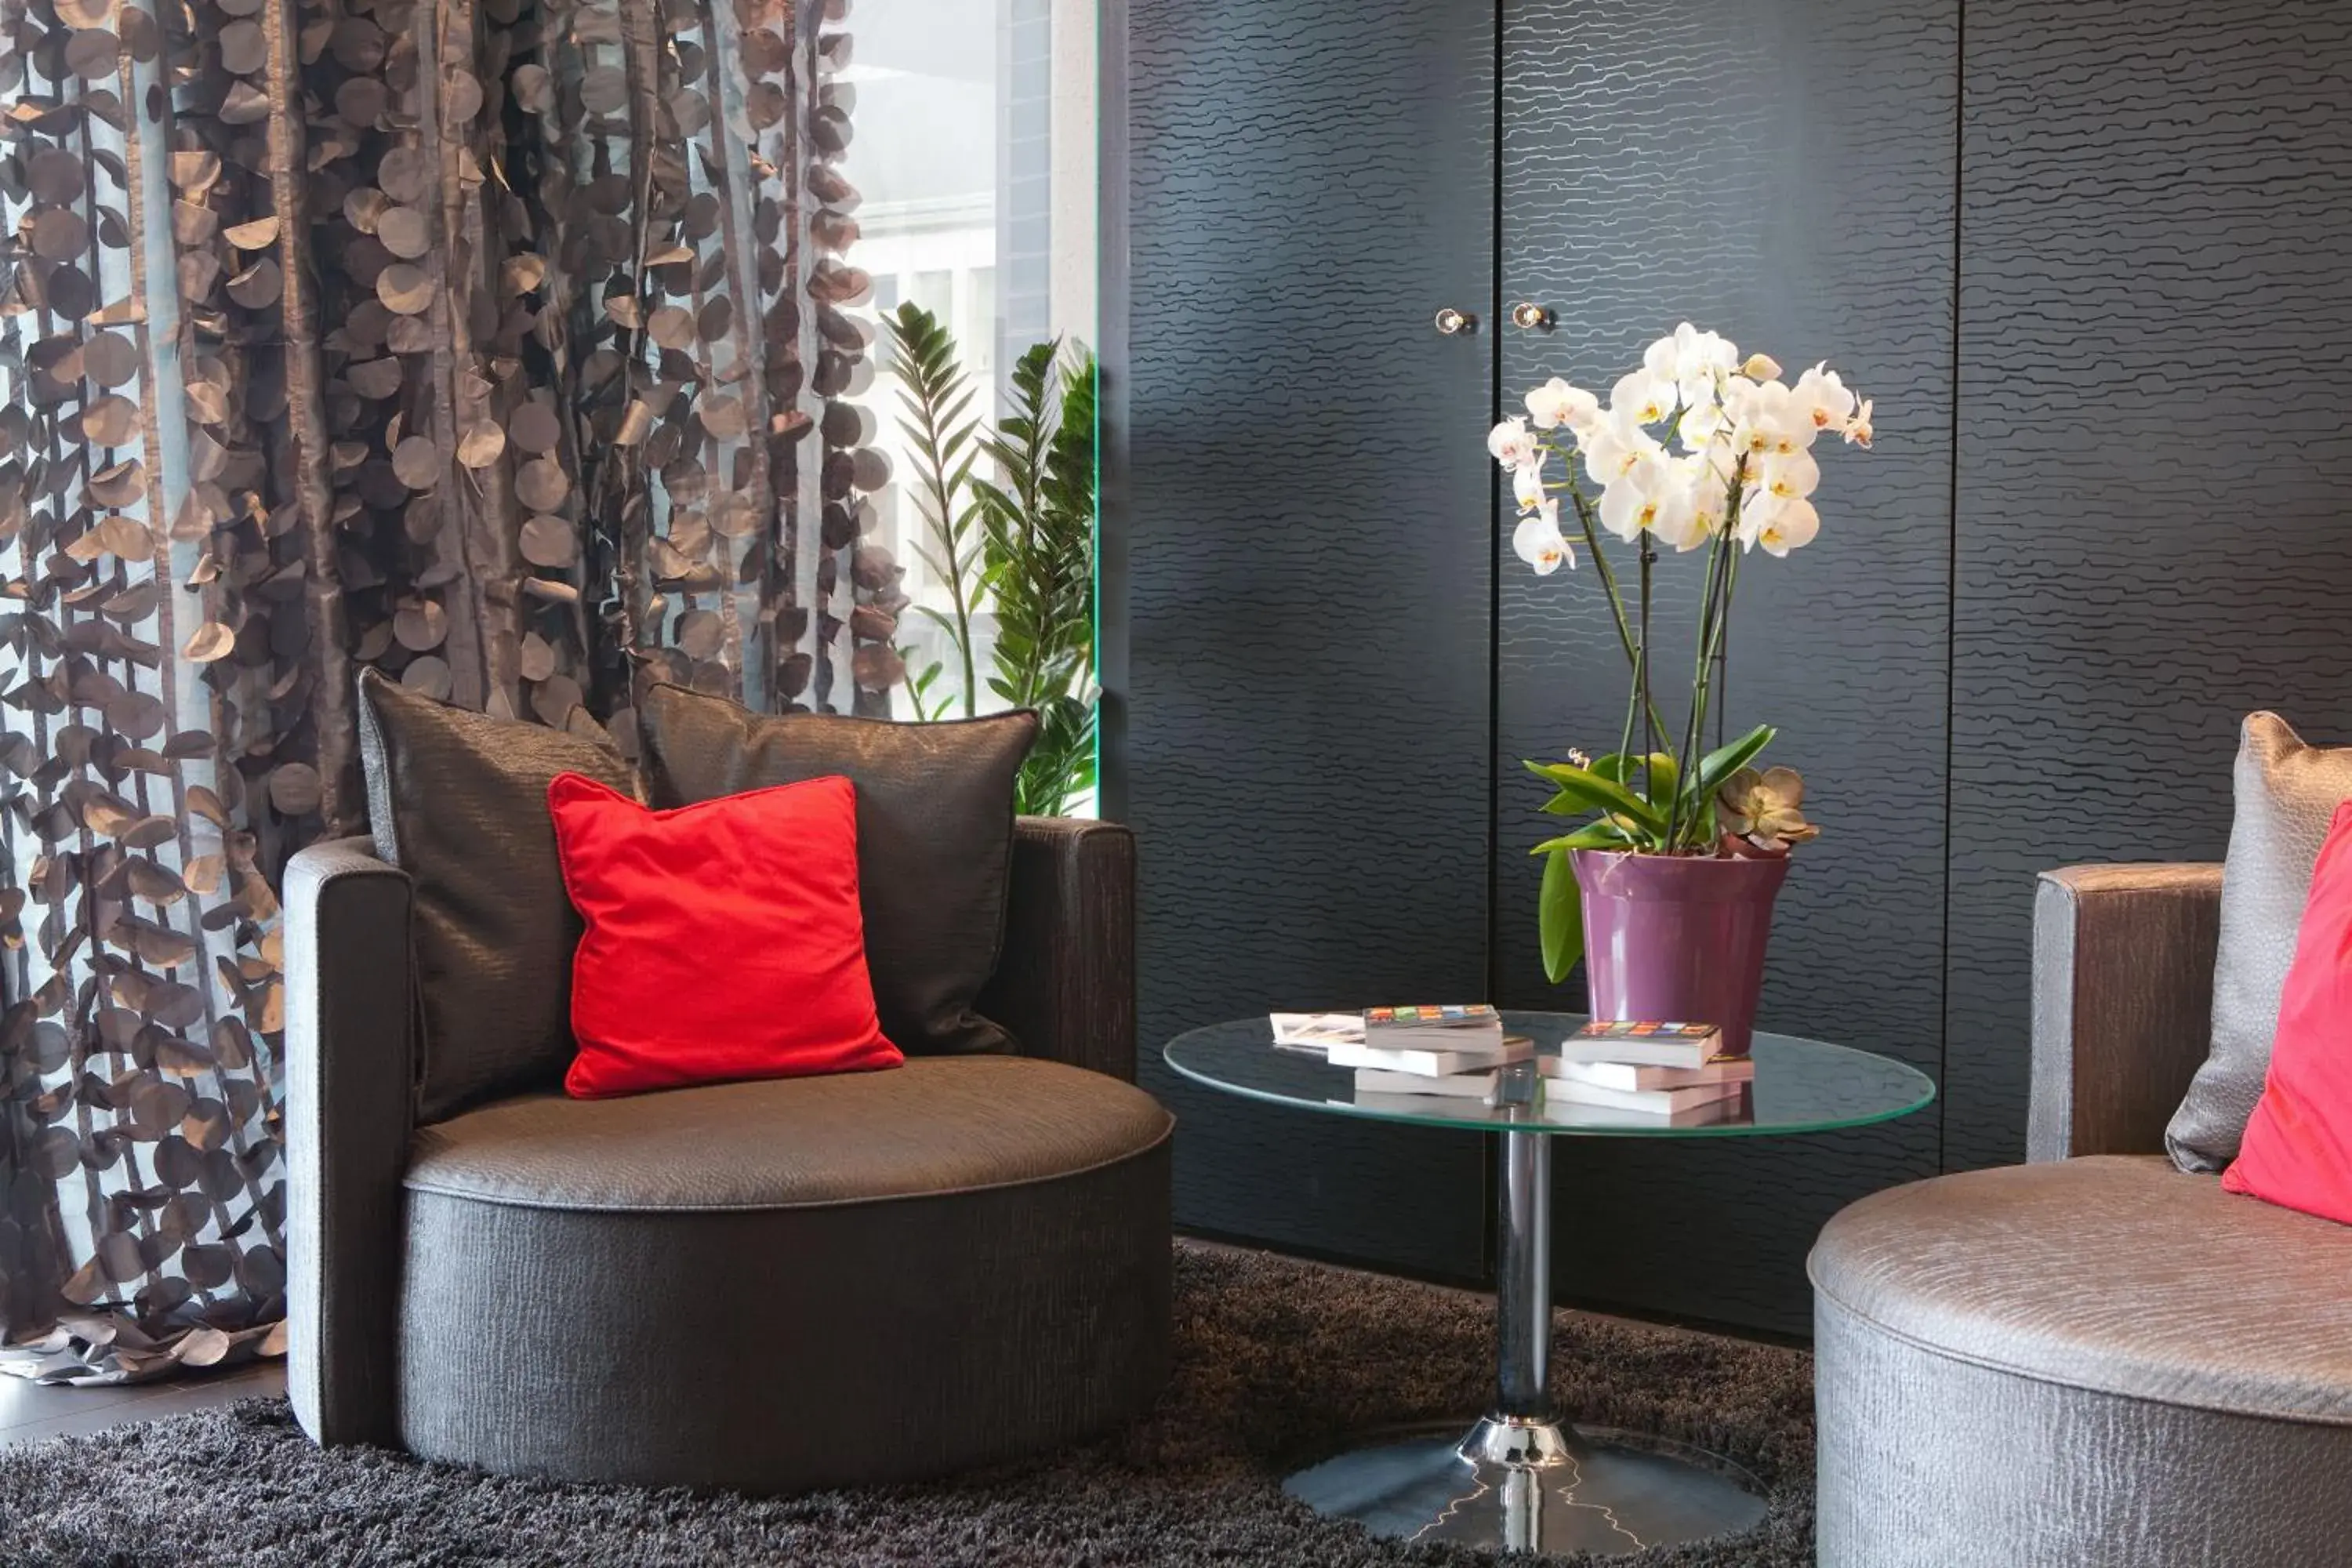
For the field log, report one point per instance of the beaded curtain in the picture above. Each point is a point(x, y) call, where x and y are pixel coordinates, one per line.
point(502, 345)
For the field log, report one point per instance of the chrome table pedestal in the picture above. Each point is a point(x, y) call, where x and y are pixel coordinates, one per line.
point(1521, 1478)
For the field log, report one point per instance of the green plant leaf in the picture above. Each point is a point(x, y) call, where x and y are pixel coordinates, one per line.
point(1601, 835)
point(1581, 789)
point(1615, 766)
point(1658, 779)
point(1561, 917)
point(945, 443)
point(1727, 760)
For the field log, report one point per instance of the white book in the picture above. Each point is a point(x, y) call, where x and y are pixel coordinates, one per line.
point(1577, 1114)
point(1478, 1086)
point(1634, 1075)
point(1430, 1063)
point(1663, 1053)
point(1453, 1026)
point(1649, 1100)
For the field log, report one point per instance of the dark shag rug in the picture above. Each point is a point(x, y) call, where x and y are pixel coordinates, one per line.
point(1274, 1359)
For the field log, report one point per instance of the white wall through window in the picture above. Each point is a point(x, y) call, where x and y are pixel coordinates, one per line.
point(975, 156)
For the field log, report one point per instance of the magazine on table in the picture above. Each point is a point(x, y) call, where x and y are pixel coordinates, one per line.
point(1313, 1033)
point(1450, 1027)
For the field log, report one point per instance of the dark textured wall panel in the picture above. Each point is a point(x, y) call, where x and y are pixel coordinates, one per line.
point(1782, 173)
point(2155, 501)
point(1306, 702)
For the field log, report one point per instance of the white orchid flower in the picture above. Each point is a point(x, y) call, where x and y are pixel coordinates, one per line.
point(1613, 447)
point(1768, 422)
point(1761, 367)
point(1537, 542)
point(1632, 501)
point(1675, 518)
point(1790, 526)
point(1643, 398)
point(1662, 359)
point(1822, 400)
point(1790, 475)
point(1701, 424)
point(1513, 444)
point(1556, 403)
point(1701, 360)
point(1857, 430)
point(1528, 483)
point(1710, 493)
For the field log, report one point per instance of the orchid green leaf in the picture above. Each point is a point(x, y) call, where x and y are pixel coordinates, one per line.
point(1561, 917)
point(1581, 789)
point(1606, 834)
point(1725, 761)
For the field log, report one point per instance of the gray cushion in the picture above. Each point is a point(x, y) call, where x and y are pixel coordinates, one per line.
point(934, 837)
point(2116, 1274)
point(2286, 791)
point(938, 1124)
point(459, 800)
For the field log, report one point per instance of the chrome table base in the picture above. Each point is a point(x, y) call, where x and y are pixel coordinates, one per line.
point(1605, 1493)
point(1521, 1479)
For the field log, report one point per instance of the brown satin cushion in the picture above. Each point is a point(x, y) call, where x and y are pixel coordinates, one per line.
point(459, 800)
point(934, 837)
point(2286, 793)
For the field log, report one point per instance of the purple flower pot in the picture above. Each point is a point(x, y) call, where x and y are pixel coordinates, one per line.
point(1677, 938)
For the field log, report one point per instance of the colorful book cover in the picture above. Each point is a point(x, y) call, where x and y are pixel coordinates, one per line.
point(1638, 1030)
point(1476, 1015)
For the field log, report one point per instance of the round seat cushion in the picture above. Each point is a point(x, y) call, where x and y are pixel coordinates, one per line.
point(786, 1285)
point(935, 1125)
point(2117, 1273)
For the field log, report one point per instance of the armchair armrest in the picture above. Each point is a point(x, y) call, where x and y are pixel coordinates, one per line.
point(350, 1102)
point(2123, 1003)
point(1064, 985)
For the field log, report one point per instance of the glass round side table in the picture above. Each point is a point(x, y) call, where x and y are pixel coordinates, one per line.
point(1522, 1477)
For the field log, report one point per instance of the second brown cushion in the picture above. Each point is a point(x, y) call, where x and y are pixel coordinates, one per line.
point(934, 836)
point(459, 800)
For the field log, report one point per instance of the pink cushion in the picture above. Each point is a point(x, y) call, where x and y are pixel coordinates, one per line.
point(2298, 1147)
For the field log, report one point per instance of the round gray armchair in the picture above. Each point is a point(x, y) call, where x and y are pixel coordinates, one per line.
point(2095, 1358)
point(770, 1287)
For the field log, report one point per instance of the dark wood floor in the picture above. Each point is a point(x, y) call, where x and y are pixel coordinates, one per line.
point(30, 1412)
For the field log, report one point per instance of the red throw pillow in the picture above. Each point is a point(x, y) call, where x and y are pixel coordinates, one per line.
point(2298, 1147)
point(724, 940)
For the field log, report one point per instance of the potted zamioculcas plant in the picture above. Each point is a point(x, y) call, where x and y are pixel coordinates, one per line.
point(1665, 886)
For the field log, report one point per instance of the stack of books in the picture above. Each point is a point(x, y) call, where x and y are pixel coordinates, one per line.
point(1458, 1051)
point(1675, 1072)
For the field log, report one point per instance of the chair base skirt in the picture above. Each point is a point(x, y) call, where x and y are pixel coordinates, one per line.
point(789, 1348)
point(1927, 1461)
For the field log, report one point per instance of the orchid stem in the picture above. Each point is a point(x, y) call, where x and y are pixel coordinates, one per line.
point(1715, 616)
point(1633, 654)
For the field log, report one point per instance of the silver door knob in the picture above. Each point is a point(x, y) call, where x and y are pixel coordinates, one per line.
point(1530, 317)
point(1456, 323)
